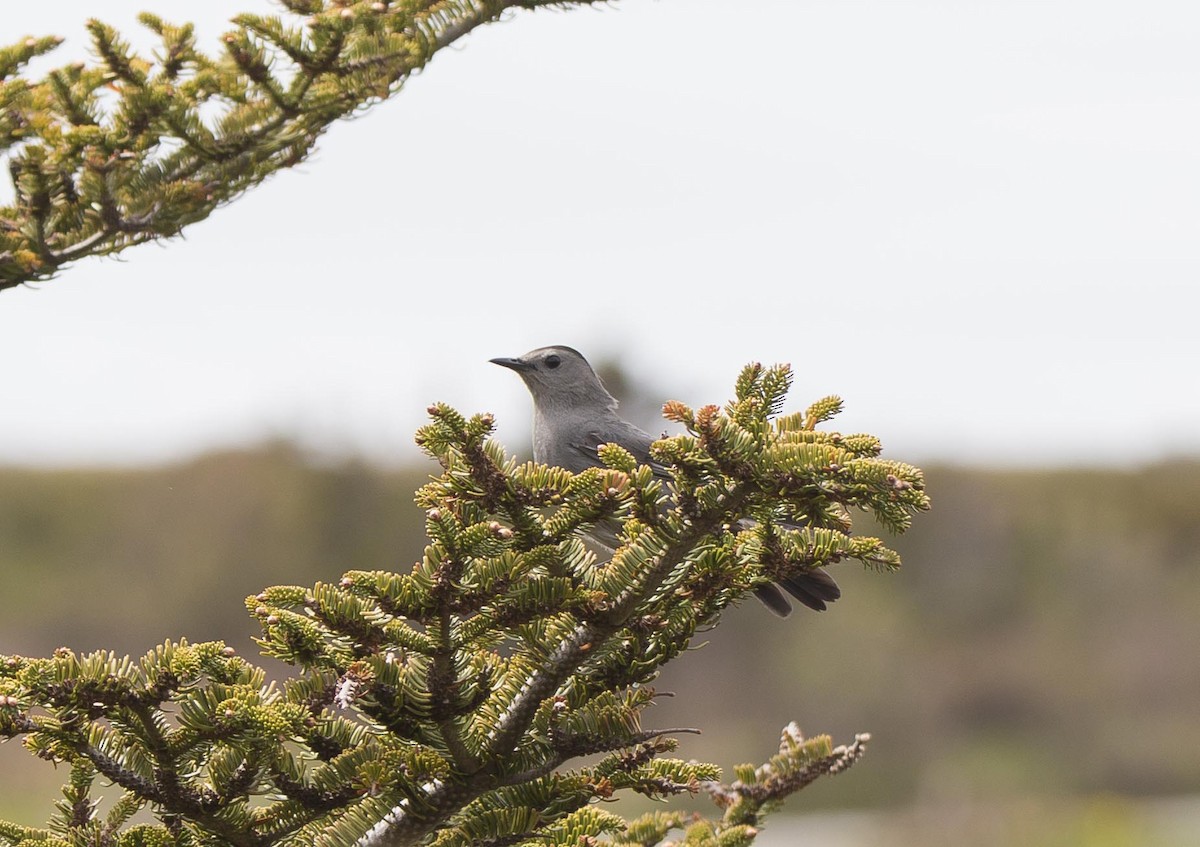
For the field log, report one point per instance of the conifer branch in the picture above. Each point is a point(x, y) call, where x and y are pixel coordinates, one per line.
point(577, 748)
point(442, 681)
point(577, 648)
point(440, 706)
point(93, 180)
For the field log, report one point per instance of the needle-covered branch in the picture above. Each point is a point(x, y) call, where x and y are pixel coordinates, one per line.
point(442, 705)
point(133, 148)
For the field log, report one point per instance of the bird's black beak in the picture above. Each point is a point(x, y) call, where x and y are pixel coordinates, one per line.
point(513, 364)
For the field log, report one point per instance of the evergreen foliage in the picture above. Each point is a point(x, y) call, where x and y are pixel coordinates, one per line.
point(134, 149)
point(441, 706)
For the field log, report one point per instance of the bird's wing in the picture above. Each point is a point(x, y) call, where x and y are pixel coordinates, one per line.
point(635, 440)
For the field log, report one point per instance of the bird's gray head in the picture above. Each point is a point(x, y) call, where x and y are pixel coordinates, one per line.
point(560, 378)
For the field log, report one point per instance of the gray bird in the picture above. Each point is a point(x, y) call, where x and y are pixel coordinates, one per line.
point(573, 414)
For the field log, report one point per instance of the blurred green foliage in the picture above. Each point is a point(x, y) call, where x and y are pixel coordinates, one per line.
point(1040, 641)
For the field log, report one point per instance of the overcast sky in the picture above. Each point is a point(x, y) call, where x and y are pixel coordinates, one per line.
point(976, 221)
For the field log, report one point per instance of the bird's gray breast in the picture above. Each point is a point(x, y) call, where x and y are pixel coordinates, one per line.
point(558, 440)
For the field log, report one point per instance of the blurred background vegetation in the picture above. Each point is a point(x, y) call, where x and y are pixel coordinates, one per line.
point(1029, 677)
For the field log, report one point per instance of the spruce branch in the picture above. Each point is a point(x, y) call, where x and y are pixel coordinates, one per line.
point(444, 705)
point(799, 763)
point(94, 179)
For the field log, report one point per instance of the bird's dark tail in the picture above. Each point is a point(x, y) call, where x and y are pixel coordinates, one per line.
point(812, 588)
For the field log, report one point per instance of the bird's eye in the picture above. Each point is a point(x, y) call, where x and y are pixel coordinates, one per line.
point(553, 362)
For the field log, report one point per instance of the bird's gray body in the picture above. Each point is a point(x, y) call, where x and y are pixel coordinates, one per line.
point(573, 414)
point(589, 430)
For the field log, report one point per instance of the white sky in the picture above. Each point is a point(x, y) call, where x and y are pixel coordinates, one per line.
point(976, 221)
